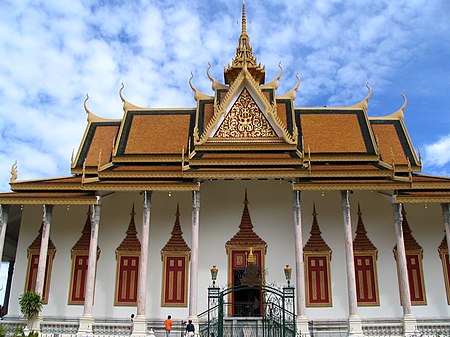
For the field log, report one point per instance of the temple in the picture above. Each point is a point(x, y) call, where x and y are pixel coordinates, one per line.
point(245, 213)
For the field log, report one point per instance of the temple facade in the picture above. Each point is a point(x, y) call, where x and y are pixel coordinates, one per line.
point(243, 194)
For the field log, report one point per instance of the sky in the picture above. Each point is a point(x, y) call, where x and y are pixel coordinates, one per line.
point(55, 52)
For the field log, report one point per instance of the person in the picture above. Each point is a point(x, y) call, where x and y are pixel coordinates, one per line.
point(190, 329)
point(168, 325)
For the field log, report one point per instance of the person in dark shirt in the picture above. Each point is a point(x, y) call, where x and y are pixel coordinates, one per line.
point(190, 329)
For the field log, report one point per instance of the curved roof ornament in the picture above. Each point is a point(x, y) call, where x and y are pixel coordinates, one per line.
point(364, 104)
point(121, 92)
point(292, 94)
point(197, 94)
point(400, 112)
point(91, 117)
point(126, 105)
point(274, 83)
point(214, 84)
point(13, 172)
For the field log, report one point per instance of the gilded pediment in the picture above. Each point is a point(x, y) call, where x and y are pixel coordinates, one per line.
point(245, 120)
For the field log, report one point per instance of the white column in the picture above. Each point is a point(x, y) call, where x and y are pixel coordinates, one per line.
point(302, 320)
point(354, 321)
point(86, 321)
point(46, 221)
point(409, 321)
point(4, 209)
point(140, 321)
point(446, 216)
point(193, 284)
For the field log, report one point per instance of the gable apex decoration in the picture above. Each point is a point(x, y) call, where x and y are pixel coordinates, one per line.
point(245, 80)
point(244, 57)
point(245, 120)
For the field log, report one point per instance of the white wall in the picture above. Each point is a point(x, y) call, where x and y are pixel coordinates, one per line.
point(270, 206)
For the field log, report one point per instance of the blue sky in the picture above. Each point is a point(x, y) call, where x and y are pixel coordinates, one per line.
point(53, 52)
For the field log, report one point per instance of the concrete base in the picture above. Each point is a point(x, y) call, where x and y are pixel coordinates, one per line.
point(302, 326)
point(409, 325)
point(34, 324)
point(355, 326)
point(139, 326)
point(85, 328)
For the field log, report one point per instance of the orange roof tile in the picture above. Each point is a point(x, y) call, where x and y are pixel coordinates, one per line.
point(332, 133)
point(158, 134)
point(390, 146)
point(281, 111)
point(102, 141)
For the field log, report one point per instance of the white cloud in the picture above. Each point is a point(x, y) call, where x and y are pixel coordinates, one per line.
point(437, 154)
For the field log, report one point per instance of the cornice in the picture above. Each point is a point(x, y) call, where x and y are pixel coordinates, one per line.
point(248, 146)
point(16, 200)
point(141, 174)
point(253, 174)
point(336, 157)
point(244, 162)
point(119, 186)
point(347, 186)
point(147, 159)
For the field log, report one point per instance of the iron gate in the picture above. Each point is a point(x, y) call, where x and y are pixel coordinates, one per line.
point(271, 316)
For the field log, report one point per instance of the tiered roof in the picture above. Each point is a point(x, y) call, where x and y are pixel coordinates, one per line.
point(244, 130)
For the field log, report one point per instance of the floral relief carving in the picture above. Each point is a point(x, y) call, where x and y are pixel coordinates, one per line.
point(245, 120)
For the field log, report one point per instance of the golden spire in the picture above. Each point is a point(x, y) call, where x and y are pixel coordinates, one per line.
point(244, 57)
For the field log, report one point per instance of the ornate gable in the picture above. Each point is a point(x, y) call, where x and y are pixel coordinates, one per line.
point(245, 120)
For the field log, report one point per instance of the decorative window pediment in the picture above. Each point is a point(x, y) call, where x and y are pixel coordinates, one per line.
point(246, 252)
point(80, 257)
point(365, 257)
point(175, 256)
point(317, 256)
point(127, 270)
point(33, 262)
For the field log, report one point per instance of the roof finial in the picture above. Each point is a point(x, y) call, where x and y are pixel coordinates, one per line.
point(13, 172)
point(246, 200)
point(244, 18)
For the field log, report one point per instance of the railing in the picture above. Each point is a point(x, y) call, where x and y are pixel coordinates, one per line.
point(434, 328)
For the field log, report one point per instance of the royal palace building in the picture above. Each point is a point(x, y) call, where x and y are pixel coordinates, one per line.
point(245, 213)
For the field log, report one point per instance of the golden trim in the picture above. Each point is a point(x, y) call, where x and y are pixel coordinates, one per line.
point(141, 174)
point(344, 157)
point(238, 145)
point(241, 162)
point(421, 199)
point(48, 201)
point(299, 186)
point(146, 159)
